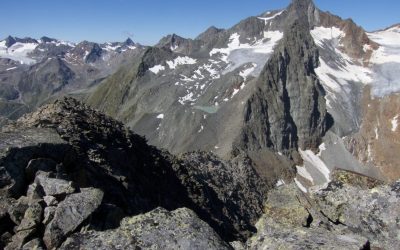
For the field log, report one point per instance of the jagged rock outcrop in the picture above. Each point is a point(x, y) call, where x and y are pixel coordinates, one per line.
point(179, 44)
point(90, 52)
point(205, 176)
point(67, 157)
point(288, 109)
point(70, 214)
point(352, 212)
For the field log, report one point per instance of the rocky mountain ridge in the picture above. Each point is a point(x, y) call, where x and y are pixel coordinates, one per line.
point(73, 178)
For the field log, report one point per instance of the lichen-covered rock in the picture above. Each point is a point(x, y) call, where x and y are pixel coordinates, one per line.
point(50, 200)
point(158, 229)
point(16, 209)
point(293, 221)
point(32, 217)
point(283, 205)
point(272, 235)
point(70, 213)
point(29, 226)
point(34, 244)
point(373, 213)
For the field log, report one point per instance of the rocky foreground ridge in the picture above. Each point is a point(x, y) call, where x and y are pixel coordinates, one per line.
point(73, 178)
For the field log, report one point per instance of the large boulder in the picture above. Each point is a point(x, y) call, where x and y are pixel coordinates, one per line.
point(55, 187)
point(158, 229)
point(70, 214)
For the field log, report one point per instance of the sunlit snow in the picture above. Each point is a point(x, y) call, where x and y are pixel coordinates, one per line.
point(395, 123)
point(237, 54)
point(18, 52)
point(181, 61)
point(245, 73)
point(157, 68)
point(302, 171)
point(337, 74)
point(311, 158)
point(298, 183)
point(386, 61)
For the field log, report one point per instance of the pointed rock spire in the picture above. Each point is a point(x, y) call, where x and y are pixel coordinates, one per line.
point(129, 42)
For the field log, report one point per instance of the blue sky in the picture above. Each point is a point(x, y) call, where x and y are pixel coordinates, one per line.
point(146, 21)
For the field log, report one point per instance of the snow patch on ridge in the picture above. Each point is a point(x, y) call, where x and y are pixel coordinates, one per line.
point(341, 70)
point(245, 73)
point(322, 34)
point(314, 160)
point(263, 46)
point(302, 171)
point(181, 61)
point(157, 68)
point(395, 123)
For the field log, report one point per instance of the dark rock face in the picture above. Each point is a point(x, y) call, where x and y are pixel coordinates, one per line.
point(71, 158)
point(179, 44)
point(209, 34)
point(205, 177)
point(106, 153)
point(288, 109)
point(48, 49)
point(46, 39)
point(90, 52)
point(10, 41)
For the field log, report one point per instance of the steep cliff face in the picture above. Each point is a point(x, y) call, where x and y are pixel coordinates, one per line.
point(288, 110)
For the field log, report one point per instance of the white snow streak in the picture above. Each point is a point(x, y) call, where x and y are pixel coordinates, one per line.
point(157, 68)
point(395, 123)
point(245, 73)
point(302, 171)
point(266, 19)
point(309, 157)
point(302, 188)
point(337, 77)
point(264, 46)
